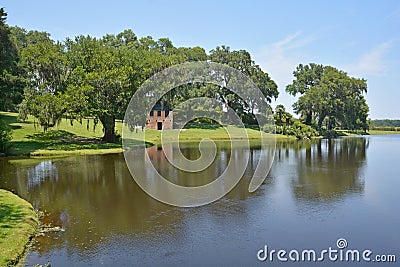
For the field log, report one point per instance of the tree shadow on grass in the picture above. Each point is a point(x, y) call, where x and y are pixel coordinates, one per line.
point(25, 147)
point(15, 127)
point(58, 140)
point(50, 140)
point(52, 135)
point(9, 216)
point(12, 118)
point(8, 118)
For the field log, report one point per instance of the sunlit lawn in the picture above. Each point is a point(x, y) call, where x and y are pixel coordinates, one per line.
point(18, 222)
point(83, 138)
point(65, 138)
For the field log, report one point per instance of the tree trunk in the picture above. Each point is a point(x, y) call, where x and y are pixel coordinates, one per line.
point(308, 118)
point(331, 123)
point(320, 121)
point(321, 118)
point(109, 128)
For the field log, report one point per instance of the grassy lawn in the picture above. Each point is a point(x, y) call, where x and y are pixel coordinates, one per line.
point(18, 223)
point(369, 132)
point(29, 139)
point(82, 138)
point(373, 132)
point(195, 134)
point(67, 139)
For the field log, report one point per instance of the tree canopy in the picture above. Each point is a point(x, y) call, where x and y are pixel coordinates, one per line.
point(85, 76)
point(11, 85)
point(93, 77)
point(329, 97)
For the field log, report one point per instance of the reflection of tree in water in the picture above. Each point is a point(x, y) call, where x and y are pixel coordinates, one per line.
point(224, 154)
point(42, 171)
point(329, 169)
point(241, 191)
point(94, 198)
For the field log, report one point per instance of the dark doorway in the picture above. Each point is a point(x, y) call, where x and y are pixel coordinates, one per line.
point(159, 125)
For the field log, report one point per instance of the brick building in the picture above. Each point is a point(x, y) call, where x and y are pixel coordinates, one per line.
point(160, 118)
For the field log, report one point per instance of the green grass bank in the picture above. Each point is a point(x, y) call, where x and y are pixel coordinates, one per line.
point(83, 138)
point(18, 224)
point(63, 139)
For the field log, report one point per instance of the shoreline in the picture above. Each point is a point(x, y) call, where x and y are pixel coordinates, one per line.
point(85, 139)
point(42, 153)
point(19, 223)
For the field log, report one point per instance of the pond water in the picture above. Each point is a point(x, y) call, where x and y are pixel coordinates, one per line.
point(315, 193)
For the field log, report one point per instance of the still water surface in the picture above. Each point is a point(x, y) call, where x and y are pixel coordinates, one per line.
point(315, 193)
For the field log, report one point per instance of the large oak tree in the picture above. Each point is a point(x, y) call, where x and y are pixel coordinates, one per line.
point(329, 97)
point(11, 84)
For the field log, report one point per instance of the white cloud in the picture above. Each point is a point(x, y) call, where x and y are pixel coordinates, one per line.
point(280, 59)
point(371, 63)
point(287, 41)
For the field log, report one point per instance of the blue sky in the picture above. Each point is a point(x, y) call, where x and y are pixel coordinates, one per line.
point(360, 37)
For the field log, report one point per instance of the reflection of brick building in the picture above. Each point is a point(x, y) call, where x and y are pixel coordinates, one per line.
point(157, 153)
point(160, 118)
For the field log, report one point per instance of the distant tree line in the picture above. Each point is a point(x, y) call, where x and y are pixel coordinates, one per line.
point(85, 76)
point(385, 123)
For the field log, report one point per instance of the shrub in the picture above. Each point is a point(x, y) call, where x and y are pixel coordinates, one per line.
point(297, 128)
point(268, 128)
point(5, 136)
point(330, 134)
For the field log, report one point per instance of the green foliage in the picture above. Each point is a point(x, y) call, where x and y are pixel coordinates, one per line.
point(329, 133)
point(193, 54)
point(46, 108)
point(242, 61)
point(11, 85)
point(385, 123)
point(106, 72)
point(96, 77)
point(5, 136)
point(297, 129)
point(285, 124)
point(45, 65)
point(282, 118)
point(202, 123)
point(269, 128)
point(329, 98)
